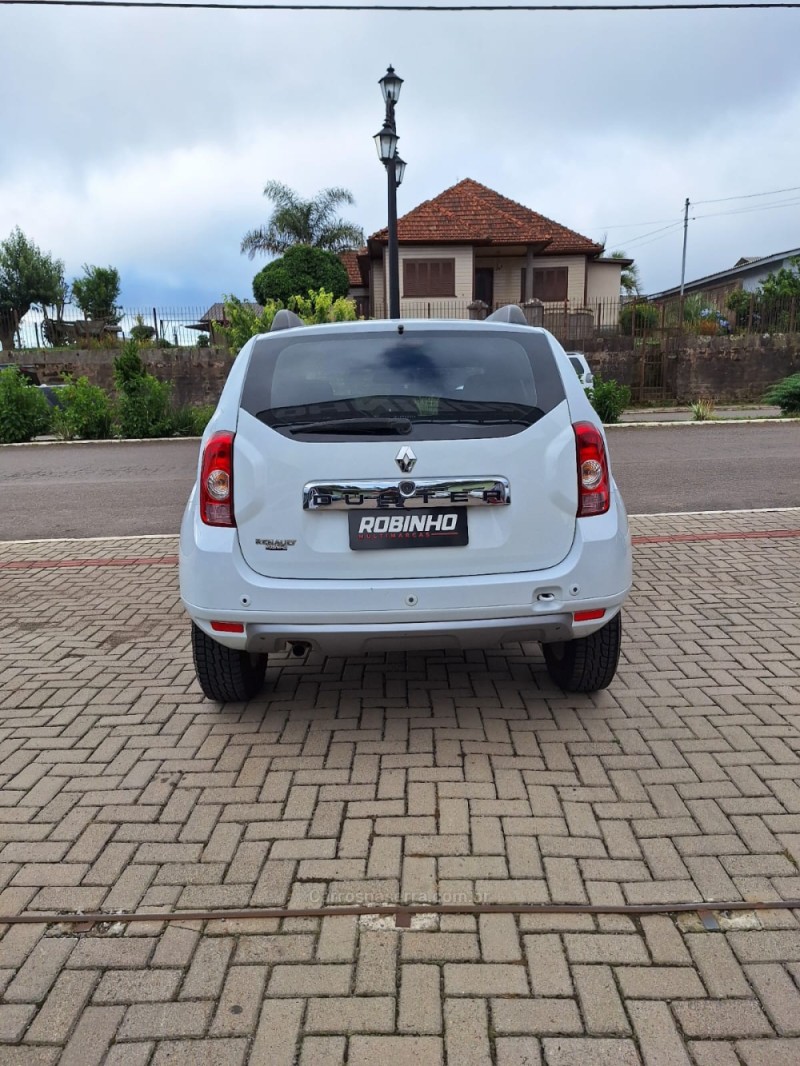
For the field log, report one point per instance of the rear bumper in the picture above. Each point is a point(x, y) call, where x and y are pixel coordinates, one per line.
point(352, 616)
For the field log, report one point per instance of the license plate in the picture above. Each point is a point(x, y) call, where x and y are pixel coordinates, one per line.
point(424, 527)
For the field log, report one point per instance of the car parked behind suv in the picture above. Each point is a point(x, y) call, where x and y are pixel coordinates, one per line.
point(581, 368)
point(389, 485)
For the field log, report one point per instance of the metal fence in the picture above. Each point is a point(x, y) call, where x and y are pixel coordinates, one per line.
point(570, 322)
point(177, 325)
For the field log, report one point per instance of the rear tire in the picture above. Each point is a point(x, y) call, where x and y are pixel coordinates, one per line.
point(588, 663)
point(226, 675)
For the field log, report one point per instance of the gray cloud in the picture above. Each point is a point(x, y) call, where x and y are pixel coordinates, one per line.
point(143, 139)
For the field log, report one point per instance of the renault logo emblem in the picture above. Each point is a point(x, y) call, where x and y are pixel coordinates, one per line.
point(405, 459)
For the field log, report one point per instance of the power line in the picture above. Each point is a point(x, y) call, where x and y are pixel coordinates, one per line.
point(746, 196)
point(635, 240)
point(750, 210)
point(653, 240)
point(633, 225)
point(215, 5)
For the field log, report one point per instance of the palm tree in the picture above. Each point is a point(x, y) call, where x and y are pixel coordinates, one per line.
point(629, 279)
point(297, 221)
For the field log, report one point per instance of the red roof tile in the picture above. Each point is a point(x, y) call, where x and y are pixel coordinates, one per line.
point(472, 213)
point(357, 266)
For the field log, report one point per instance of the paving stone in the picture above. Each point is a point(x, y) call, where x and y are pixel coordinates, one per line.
point(484, 979)
point(547, 965)
point(39, 971)
point(601, 1005)
point(659, 982)
point(278, 1032)
point(356, 1014)
point(207, 971)
point(769, 1052)
point(323, 1051)
point(606, 947)
point(377, 962)
point(590, 1052)
point(466, 1032)
point(14, 1018)
point(398, 1050)
point(439, 947)
point(134, 986)
point(518, 1051)
point(420, 1000)
point(91, 1037)
point(207, 1052)
point(722, 975)
point(660, 1043)
point(499, 938)
point(302, 980)
point(715, 1019)
point(162, 1021)
point(538, 1015)
point(779, 996)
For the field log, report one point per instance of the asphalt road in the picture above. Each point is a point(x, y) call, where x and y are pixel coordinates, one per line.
point(118, 489)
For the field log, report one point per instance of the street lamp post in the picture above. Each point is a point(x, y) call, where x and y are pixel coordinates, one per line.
point(386, 143)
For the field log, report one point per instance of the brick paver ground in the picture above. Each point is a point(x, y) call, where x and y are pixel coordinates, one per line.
point(448, 776)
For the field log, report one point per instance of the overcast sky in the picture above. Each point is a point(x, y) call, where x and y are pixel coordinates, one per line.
point(143, 139)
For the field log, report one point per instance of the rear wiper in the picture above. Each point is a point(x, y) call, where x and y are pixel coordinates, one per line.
point(355, 425)
point(469, 421)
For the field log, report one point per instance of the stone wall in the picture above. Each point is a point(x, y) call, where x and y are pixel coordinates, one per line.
point(726, 369)
point(197, 374)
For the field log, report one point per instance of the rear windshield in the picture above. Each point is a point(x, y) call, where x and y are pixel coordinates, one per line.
point(419, 384)
point(577, 364)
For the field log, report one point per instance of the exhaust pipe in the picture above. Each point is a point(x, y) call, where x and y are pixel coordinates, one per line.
point(300, 649)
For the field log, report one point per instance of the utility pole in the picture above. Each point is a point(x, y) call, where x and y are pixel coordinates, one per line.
point(683, 261)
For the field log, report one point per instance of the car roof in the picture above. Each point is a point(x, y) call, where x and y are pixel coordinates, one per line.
point(412, 325)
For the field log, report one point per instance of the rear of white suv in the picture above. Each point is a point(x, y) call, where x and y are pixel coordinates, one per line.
point(382, 486)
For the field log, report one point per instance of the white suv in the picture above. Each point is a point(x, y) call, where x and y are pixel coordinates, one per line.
point(392, 485)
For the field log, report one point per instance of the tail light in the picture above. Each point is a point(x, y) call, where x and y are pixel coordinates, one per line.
point(216, 481)
point(594, 483)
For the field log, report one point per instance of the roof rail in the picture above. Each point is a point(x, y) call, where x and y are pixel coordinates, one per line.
point(285, 320)
point(511, 314)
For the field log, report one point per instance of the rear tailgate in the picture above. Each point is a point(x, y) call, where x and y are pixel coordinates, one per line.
point(279, 537)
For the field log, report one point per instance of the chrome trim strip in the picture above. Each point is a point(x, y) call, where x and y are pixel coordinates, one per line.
point(407, 493)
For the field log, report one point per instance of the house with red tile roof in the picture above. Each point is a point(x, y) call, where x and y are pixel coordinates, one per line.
point(470, 243)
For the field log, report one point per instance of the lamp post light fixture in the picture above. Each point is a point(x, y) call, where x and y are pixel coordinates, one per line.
point(386, 143)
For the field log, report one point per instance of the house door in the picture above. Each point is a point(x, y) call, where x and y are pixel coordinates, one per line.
point(484, 285)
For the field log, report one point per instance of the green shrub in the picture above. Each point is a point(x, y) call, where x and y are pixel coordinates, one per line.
point(299, 269)
point(192, 421)
point(703, 410)
point(204, 341)
point(319, 306)
point(244, 322)
point(145, 409)
point(141, 331)
point(128, 366)
point(145, 403)
point(786, 395)
point(609, 399)
point(24, 412)
point(646, 317)
point(84, 411)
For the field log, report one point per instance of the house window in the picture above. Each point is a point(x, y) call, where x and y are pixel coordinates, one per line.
point(429, 277)
point(549, 284)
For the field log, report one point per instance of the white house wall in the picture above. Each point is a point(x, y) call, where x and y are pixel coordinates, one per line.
point(463, 267)
point(602, 282)
point(507, 274)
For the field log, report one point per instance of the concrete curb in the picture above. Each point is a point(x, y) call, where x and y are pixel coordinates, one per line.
point(109, 440)
point(708, 422)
